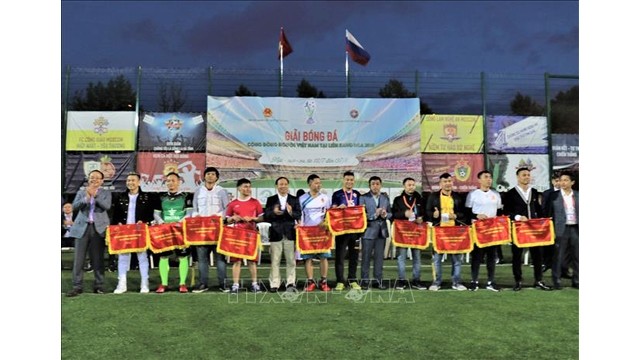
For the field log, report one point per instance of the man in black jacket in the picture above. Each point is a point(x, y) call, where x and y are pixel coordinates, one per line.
point(132, 207)
point(521, 204)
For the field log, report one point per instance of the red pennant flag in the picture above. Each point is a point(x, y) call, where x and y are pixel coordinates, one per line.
point(123, 239)
point(533, 232)
point(452, 239)
point(239, 242)
point(349, 220)
point(165, 237)
point(284, 47)
point(491, 231)
point(408, 234)
point(313, 240)
point(202, 230)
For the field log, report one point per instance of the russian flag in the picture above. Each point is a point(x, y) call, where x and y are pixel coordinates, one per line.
point(356, 51)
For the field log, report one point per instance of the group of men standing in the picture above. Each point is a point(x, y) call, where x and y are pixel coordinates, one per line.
point(285, 212)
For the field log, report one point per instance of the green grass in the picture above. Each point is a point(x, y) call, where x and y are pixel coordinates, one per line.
point(379, 324)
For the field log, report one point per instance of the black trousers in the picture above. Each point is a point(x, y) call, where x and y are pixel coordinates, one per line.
point(477, 254)
point(536, 258)
point(566, 244)
point(346, 245)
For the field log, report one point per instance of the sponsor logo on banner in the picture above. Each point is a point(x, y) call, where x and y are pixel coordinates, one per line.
point(462, 170)
point(100, 126)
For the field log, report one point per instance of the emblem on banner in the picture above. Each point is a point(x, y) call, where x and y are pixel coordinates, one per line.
point(354, 113)
point(100, 125)
point(170, 166)
point(309, 109)
point(267, 112)
point(450, 132)
point(462, 170)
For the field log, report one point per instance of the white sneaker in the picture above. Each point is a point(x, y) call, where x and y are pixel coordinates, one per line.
point(122, 286)
point(458, 287)
point(144, 287)
point(434, 287)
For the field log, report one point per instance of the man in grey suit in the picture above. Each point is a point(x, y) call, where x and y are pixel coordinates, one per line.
point(378, 208)
point(89, 230)
point(563, 208)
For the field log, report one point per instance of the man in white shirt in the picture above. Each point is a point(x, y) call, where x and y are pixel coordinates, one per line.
point(210, 199)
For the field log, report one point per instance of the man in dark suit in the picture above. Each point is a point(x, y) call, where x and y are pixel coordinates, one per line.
point(547, 251)
point(563, 208)
point(521, 204)
point(445, 208)
point(378, 208)
point(282, 211)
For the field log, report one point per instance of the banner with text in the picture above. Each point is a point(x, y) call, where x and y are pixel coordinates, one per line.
point(268, 137)
point(123, 239)
point(101, 131)
point(172, 131)
point(517, 134)
point(565, 151)
point(350, 220)
point(153, 166)
point(462, 167)
point(451, 134)
point(452, 239)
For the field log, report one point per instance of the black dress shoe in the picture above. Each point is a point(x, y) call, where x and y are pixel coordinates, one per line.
point(517, 286)
point(381, 286)
point(98, 291)
point(575, 286)
point(557, 287)
point(273, 289)
point(74, 292)
point(541, 285)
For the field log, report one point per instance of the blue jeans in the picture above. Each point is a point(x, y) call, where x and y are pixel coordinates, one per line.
point(402, 256)
point(203, 264)
point(377, 246)
point(456, 260)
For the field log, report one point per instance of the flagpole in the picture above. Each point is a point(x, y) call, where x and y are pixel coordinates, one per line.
point(346, 64)
point(281, 64)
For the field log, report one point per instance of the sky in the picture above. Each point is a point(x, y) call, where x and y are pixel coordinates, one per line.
point(449, 36)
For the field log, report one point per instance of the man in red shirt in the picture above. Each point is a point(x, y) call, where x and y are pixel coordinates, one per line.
point(244, 212)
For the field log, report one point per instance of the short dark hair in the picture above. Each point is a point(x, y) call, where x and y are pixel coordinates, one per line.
point(312, 177)
point(96, 170)
point(348, 173)
point(281, 177)
point(521, 169)
point(212, 169)
point(483, 172)
point(172, 173)
point(571, 175)
point(374, 177)
point(407, 179)
point(133, 173)
point(300, 192)
point(445, 176)
point(556, 175)
point(242, 182)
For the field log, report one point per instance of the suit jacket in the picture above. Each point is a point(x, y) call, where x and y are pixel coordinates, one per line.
point(546, 196)
point(376, 225)
point(145, 204)
point(433, 201)
point(556, 211)
point(282, 224)
point(515, 205)
point(102, 204)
